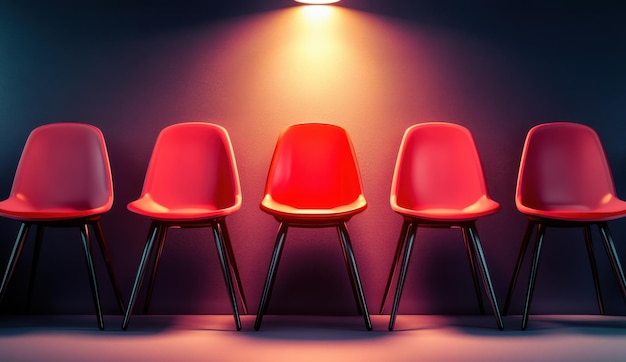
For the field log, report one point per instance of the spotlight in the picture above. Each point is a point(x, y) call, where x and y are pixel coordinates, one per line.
point(317, 2)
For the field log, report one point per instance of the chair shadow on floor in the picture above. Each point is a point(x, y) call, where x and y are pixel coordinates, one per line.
point(318, 328)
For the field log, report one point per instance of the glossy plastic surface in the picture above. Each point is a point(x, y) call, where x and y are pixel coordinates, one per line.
point(564, 175)
point(313, 175)
point(192, 175)
point(438, 175)
point(63, 173)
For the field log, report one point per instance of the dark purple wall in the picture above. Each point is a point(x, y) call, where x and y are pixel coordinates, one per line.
point(255, 67)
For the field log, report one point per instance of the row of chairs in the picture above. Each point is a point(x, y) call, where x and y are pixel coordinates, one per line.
point(64, 179)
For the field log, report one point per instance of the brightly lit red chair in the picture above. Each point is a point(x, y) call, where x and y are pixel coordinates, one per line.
point(438, 182)
point(314, 182)
point(63, 179)
point(564, 180)
point(191, 182)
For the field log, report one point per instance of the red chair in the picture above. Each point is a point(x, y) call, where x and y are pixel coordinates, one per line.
point(191, 182)
point(63, 179)
point(314, 182)
point(565, 181)
point(438, 182)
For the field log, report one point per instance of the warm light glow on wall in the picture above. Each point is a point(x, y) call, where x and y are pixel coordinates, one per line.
point(323, 63)
point(317, 43)
point(315, 63)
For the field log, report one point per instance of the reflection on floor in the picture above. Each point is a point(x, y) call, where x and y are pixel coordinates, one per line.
point(308, 338)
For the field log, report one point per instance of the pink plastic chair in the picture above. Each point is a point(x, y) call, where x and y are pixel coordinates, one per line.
point(439, 182)
point(63, 179)
point(191, 182)
point(314, 182)
point(564, 181)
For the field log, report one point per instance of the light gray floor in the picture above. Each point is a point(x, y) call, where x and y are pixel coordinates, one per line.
point(306, 338)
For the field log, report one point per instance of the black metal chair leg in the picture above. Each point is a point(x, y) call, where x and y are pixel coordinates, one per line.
point(613, 257)
point(84, 232)
point(484, 271)
point(271, 274)
point(469, 247)
point(350, 275)
point(155, 267)
point(518, 265)
point(233, 263)
point(15, 255)
point(217, 234)
point(107, 260)
point(345, 238)
point(140, 272)
point(594, 267)
point(405, 264)
point(394, 264)
point(33, 267)
point(269, 295)
point(533, 274)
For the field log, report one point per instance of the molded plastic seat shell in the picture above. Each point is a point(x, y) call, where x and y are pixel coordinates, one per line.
point(192, 175)
point(564, 175)
point(312, 184)
point(438, 175)
point(55, 182)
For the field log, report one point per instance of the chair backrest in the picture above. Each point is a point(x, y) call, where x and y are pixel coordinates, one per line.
point(193, 164)
point(314, 166)
point(563, 164)
point(65, 166)
point(437, 167)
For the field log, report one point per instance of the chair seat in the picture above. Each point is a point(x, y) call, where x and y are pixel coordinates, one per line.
point(613, 209)
point(191, 181)
point(147, 206)
point(482, 207)
point(287, 212)
point(565, 180)
point(314, 182)
point(15, 208)
point(438, 181)
point(63, 179)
